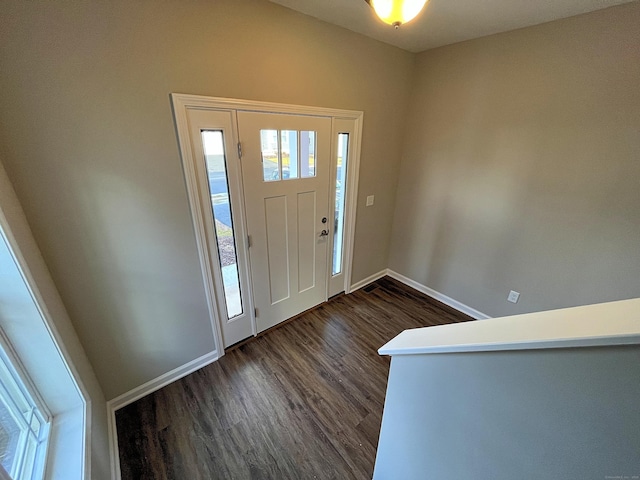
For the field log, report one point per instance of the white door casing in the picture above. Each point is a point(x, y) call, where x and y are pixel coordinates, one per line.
point(184, 107)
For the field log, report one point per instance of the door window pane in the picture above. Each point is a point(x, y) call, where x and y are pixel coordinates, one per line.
point(215, 159)
point(307, 154)
point(289, 154)
point(270, 155)
point(341, 177)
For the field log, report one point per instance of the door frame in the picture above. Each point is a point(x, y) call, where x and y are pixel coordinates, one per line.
point(181, 103)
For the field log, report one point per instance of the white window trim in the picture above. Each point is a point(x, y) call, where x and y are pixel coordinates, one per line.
point(62, 447)
point(8, 355)
point(17, 365)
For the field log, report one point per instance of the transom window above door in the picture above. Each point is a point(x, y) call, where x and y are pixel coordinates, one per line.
point(288, 154)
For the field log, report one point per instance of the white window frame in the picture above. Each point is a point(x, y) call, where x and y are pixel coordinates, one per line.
point(69, 446)
point(24, 383)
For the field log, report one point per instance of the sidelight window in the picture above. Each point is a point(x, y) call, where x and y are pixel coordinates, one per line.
point(341, 177)
point(215, 159)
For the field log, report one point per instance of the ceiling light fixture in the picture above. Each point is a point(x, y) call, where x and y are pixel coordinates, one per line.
point(397, 12)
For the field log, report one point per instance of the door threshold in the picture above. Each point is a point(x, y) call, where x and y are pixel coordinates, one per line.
point(288, 320)
point(239, 344)
point(242, 343)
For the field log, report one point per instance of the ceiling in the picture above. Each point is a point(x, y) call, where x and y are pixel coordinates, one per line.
point(443, 22)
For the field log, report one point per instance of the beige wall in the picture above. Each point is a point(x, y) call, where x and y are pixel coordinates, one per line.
point(521, 168)
point(89, 144)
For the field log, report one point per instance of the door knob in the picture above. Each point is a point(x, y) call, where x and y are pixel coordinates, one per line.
point(324, 233)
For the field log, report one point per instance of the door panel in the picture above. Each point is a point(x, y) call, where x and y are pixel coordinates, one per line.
point(285, 170)
point(306, 240)
point(276, 225)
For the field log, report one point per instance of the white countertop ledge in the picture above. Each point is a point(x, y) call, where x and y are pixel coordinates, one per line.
point(602, 324)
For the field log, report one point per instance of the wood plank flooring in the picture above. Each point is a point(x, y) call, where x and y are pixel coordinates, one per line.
point(303, 401)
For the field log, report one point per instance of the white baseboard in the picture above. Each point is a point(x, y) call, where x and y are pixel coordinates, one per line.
point(367, 281)
point(441, 297)
point(145, 389)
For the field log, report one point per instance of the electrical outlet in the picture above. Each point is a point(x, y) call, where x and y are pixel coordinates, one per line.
point(370, 199)
point(513, 296)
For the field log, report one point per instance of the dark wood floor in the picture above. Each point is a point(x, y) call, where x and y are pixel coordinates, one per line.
point(303, 401)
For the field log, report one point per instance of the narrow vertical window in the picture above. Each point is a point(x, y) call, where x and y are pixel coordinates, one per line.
point(216, 163)
point(271, 161)
point(289, 153)
point(341, 177)
point(307, 154)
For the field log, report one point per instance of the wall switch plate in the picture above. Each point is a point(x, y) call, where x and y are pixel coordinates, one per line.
point(513, 296)
point(370, 199)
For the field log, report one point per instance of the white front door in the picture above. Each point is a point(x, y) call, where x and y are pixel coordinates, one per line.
point(286, 163)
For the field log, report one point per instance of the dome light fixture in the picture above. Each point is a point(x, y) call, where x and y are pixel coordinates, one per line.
point(397, 12)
